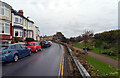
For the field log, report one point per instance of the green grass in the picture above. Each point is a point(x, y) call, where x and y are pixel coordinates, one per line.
point(97, 50)
point(78, 46)
point(101, 66)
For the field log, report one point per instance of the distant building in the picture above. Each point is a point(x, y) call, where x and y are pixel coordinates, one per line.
point(36, 33)
point(47, 38)
point(5, 21)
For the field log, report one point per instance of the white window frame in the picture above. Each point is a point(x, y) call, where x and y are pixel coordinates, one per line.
point(5, 11)
point(3, 22)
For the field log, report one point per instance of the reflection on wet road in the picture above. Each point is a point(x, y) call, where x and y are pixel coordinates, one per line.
point(43, 63)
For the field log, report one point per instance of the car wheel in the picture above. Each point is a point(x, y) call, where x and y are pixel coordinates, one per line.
point(15, 59)
point(36, 51)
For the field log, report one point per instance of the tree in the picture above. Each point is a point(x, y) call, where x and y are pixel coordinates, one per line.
point(78, 39)
point(72, 39)
point(98, 44)
point(59, 37)
point(87, 36)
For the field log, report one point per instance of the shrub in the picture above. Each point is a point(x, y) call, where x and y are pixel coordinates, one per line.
point(105, 45)
point(29, 39)
point(111, 53)
point(17, 39)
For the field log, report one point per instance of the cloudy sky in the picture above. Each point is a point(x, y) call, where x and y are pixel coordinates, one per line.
point(71, 17)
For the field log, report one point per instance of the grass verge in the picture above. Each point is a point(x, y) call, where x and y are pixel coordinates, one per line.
point(102, 68)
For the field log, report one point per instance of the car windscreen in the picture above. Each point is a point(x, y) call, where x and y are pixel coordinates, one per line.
point(30, 44)
point(3, 47)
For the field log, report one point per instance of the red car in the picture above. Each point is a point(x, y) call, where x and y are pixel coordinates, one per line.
point(34, 46)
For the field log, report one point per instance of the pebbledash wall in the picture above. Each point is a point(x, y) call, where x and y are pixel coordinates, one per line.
point(15, 24)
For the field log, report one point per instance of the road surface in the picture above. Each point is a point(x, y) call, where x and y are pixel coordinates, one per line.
point(44, 63)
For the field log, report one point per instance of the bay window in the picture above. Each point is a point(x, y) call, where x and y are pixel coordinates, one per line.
point(5, 28)
point(4, 11)
point(7, 12)
point(1, 10)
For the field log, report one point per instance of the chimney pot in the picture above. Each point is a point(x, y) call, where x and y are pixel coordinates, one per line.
point(21, 12)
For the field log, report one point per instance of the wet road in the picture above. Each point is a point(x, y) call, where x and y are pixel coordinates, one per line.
point(43, 63)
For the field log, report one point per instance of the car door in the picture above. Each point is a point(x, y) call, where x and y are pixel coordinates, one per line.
point(20, 50)
point(25, 50)
point(37, 46)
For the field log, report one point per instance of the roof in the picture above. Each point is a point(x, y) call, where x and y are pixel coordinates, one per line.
point(17, 13)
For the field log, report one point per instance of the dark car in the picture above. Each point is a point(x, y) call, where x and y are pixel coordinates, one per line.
point(44, 44)
point(12, 52)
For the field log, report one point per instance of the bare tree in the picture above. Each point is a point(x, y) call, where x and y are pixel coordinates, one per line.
point(86, 37)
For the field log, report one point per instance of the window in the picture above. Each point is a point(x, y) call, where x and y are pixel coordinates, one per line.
point(3, 47)
point(2, 28)
point(23, 46)
point(37, 44)
point(20, 20)
point(20, 33)
point(30, 44)
point(1, 10)
point(7, 12)
point(16, 33)
point(13, 47)
point(7, 28)
point(16, 19)
point(18, 46)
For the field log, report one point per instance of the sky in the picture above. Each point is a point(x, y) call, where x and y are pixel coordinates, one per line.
point(71, 17)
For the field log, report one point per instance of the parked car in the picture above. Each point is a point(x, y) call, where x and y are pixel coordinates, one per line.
point(34, 46)
point(12, 52)
point(44, 44)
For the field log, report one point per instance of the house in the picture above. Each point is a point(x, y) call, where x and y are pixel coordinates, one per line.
point(36, 33)
point(22, 26)
point(14, 24)
point(5, 22)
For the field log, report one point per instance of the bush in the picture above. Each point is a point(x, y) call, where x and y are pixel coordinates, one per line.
point(29, 39)
point(109, 53)
point(17, 39)
point(105, 45)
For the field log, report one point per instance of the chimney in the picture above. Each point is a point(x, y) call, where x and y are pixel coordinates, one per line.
point(20, 11)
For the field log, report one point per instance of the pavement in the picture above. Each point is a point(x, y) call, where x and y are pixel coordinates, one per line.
point(44, 63)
